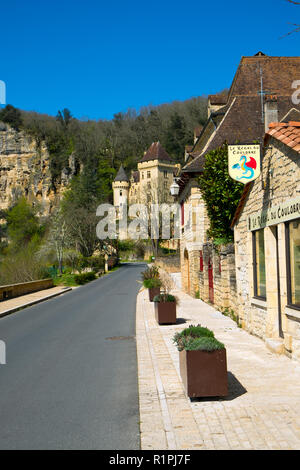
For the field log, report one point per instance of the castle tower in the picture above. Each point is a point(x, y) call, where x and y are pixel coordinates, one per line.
point(121, 188)
point(156, 171)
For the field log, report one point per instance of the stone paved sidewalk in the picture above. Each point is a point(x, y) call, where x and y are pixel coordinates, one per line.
point(262, 410)
point(12, 305)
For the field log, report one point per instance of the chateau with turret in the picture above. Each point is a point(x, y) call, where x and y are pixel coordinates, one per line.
point(150, 183)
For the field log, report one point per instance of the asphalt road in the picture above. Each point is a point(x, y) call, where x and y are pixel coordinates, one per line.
point(65, 384)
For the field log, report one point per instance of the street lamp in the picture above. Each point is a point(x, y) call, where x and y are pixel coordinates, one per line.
point(174, 188)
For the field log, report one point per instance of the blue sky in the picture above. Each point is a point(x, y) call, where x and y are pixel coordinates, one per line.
point(101, 57)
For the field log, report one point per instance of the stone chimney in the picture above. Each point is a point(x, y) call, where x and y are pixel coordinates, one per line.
point(270, 110)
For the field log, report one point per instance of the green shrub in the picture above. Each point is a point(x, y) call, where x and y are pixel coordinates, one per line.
point(65, 280)
point(150, 273)
point(220, 192)
point(165, 298)
point(83, 278)
point(203, 343)
point(196, 338)
point(151, 278)
point(152, 283)
point(195, 332)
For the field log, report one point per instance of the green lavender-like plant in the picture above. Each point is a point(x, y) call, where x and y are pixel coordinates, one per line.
point(165, 298)
point(196, 338)
point(204, 343)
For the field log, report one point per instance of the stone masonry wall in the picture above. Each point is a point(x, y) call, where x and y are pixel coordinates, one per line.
point(279, 181)
point(170, 264)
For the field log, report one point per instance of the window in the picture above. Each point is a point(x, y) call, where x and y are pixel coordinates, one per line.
point(293, 262)
point(259, 267)
point(121, 192)
point(142, 175)
point(148, 174)
point(165, 184)
point(165, 174)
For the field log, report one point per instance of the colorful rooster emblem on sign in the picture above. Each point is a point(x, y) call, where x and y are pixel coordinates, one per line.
point(248, 167)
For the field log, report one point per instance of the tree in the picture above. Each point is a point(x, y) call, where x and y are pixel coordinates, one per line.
point(220, 193)
point(57, 240)
point(12, 116)
point(64, 117)
point(22, 223)
point(177, 135)
point(297, 26)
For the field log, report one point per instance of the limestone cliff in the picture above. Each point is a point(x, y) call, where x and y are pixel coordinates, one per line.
point(25, 170)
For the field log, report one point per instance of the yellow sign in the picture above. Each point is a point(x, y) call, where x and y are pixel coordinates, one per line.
point(244, 162)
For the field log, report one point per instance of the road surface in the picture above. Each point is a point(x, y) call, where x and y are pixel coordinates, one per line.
point(70, 381)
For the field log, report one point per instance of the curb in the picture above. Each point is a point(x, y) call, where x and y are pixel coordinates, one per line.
point(33, 302)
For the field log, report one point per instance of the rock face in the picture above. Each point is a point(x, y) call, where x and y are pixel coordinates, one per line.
point(25, 171)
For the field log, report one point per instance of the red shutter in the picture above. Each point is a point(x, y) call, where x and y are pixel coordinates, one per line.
point(201, 260)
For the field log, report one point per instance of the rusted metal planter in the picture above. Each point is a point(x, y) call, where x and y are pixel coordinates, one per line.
point(165, 312)
point(153, 292)
point(204, 373)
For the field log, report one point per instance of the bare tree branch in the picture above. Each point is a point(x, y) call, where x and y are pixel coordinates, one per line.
point(297, 29)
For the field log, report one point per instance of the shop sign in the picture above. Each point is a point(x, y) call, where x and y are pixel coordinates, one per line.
point(287, 210)
point(244, 162)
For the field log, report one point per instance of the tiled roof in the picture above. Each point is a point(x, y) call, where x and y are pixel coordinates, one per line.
point(197, 130)
point(121, 175)
point(287, 133)
point(241, 123)
point(278, 75)
point(218, 98)
point(156, 152)
point(292, 115)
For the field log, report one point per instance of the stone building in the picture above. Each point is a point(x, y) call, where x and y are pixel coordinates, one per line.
point(267, 244)
point(261, 92)
point(149, 184)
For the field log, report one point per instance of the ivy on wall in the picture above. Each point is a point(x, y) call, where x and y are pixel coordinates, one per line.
point(220, 193)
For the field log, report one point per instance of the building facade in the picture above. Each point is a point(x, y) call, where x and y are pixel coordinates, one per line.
point(261, 92)
point(149, 184)
point(267, 244)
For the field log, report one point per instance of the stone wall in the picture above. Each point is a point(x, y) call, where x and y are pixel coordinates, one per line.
point(224, 277)
point(170, 264)
point(280, 181)
point(15, 290)
point(193, 237)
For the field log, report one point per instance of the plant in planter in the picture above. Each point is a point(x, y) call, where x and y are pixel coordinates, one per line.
point(151, 281)
point(165, 304)
point(203, 365)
